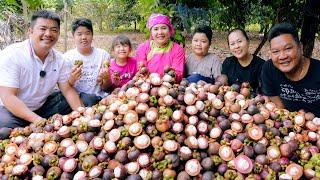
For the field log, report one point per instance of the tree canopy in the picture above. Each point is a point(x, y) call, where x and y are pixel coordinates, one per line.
point(114, 15)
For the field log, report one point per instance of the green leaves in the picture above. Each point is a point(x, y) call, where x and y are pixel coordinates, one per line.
point(12, 2)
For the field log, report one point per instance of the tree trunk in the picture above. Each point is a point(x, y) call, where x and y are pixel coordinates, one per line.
point(25, 10)
point(100, 21)
point(278, 19)
point(263, 41)
point(310, 26)
point(65, 25)
point(100, 25)
point(280, 14)
point(25, 15)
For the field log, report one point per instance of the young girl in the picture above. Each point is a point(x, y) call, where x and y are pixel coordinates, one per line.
point(122, 67)
point(200, 64)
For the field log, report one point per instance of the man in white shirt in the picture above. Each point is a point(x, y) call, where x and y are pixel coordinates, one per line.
point(29, 72)
point(89, 78)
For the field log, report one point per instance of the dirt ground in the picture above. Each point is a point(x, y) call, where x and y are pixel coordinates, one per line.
point(219, 44)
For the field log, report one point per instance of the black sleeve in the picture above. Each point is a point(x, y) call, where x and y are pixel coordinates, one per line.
point(225, 66)
point(185, 73)
point(268, 88)
point(186, 69)
point(260, 65)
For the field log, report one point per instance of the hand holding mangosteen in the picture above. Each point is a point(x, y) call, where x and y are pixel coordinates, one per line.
point(75, 72)
point(104, 75)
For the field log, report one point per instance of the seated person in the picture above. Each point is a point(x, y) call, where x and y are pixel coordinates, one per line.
point(160, 51)
point(29, 72)
point(291, 80)
point(242, 66)
point(86, 63)
point(122, 67)
point(201, 65)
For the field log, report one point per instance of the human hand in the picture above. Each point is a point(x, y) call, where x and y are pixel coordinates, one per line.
point(103, 75)
point(75, 74)
point(40, 122)
point(116, 78)
point(106, 64)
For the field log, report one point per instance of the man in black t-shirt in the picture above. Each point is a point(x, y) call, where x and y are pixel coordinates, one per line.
point(291, 80)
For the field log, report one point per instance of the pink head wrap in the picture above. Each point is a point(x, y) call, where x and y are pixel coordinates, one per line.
point(155, 19)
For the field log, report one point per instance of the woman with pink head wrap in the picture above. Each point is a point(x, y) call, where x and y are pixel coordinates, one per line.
point(160, 51)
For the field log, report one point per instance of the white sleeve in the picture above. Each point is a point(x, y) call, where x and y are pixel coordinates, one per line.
point(106, 56)
point(68, 57)
point(65, 70)
point(9, 70)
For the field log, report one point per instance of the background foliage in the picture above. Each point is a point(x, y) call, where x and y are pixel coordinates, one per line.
point(118, 15)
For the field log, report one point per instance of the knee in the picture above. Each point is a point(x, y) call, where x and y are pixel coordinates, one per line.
point(8, 120)
point(6, 123)
point(5, 133)
point(11, 122)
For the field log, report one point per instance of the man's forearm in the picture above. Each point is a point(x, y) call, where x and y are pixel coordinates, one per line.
point(19, 108)
point(277, 101)
point(73, 98)
point(71, 82)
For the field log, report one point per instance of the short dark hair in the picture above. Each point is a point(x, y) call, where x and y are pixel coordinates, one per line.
point(238, 29)
point(46, 15)
point(204, 29)
point(283, 28)
point(121, 39)
point(81, 22)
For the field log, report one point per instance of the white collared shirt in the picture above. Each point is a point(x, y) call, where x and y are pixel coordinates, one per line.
point(20, 68)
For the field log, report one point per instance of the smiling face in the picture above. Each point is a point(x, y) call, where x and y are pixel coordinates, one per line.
point(160, 34)
point(286, 54)
point(238, 44)
point(83, 38)
point(200, 44)
point(121, 51)
point(44, 33)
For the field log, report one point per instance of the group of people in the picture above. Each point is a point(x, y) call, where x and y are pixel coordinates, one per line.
point(30, 70)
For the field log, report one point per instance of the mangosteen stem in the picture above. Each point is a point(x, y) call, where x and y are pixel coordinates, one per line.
point(124, 133)
point(52, 175)
point(247, 142)
point(154, 100)
point(103, 165)
point(169, 136)
point(162, 165)
point(216, 159)
point(230, 174)
point(54, 161)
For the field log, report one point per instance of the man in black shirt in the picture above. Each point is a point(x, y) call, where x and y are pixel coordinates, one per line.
point(291, 80)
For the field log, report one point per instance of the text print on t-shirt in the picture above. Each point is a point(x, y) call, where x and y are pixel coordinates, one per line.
point(308, 95)
point(89, 75)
